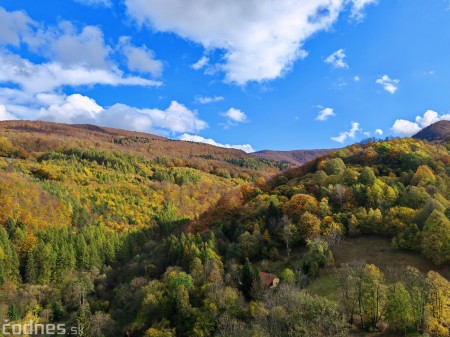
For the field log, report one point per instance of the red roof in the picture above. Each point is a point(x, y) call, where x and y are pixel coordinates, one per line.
point(267, 278)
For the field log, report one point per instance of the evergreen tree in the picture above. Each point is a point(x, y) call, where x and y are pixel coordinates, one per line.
point(249, 277)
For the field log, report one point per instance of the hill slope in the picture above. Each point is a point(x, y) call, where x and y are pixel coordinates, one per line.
point(438, 131)
point(294, 157)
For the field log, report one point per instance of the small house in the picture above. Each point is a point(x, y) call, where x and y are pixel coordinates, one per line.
point(269, 280)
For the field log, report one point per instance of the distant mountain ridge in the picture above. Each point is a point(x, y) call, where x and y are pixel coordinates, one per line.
point(439, 131)
point(294, 157)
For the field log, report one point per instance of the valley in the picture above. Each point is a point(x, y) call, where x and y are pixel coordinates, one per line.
point(129, 233)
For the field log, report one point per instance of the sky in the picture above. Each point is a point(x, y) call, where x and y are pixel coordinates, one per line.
point(253, 75)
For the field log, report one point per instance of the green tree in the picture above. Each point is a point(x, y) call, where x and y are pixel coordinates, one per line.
point(436, 238)
point(399, 308)
point(248, 279)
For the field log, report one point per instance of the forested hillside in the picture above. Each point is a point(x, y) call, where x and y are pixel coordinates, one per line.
point(130, 234)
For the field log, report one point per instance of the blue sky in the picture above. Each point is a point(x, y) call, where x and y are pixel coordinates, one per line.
point(255, 75)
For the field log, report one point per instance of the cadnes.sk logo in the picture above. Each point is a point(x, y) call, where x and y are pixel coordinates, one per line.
point(36, 329)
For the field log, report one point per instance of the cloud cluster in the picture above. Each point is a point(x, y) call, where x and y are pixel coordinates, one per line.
point(75, 57)
point(245, 30)
point(49, 76)
point(324, 114)
point(198, 139)
point(407, 128)
point(337, 59)
point(76, 108)
point(388, 84)
point(343, 136)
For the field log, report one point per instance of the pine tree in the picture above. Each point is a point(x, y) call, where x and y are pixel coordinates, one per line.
point(249, 277)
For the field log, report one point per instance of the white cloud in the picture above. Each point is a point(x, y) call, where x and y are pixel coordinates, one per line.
point(390, 85)
point(5, 114)
point(379, 132)
point(407, 128)
point(235, 115)
point(201, 63)
point(325, 113)
point(95, 3)
point(75, 56)
point(49, 76)
point(357, 11)
point(343, 136)
point(356, 78)
point(141, 59)
point(261, 40)
point(77, 108)
point(176, 118)
point(337, 59)
point(430, 117)
point(68, 45)
point(198, 139)
point(12, 26)
point(207, 100)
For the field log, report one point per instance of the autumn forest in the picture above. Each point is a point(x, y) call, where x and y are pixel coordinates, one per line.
point(129, 234)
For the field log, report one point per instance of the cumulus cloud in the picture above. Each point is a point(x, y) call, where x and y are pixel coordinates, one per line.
point(356, 78)
point(407, 128)
point(390, 85)
point(337, 59)
point(198, 139)
point(49, 76)
point(5, 115)
point(207, 100)
point(76, 108)
point(235, 115)
point(201, 63)
point(343, 136)
point(95, 3)
point(12, 26)
point(141, 59)
point(325, 114)
point(379, 132)
point(245, 30)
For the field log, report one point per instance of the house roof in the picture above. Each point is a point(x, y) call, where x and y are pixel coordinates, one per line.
point(267, 278)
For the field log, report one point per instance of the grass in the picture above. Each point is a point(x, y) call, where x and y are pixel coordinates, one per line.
point(325, 285)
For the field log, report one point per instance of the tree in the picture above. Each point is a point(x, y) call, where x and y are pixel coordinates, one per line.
point(13, 312)
point(287, 276)
point(438, 305)
point(436, 238)
point(248, 245)
point(372, 297)
point(287, 232)
point(334, 166)
point(249, 278)
point(299, 204)
point(308, 226)
point(399, 308)
point(367, 177)
point(423, 176)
